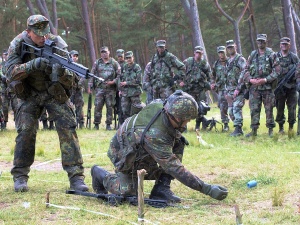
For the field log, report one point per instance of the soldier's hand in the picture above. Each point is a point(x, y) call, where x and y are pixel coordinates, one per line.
point(215, 191)
point(38, 64)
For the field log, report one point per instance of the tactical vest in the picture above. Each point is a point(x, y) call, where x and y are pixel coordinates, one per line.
point(233, 71)
point(129, 74)
point(107, 71)
point(286, 63)
point(220, 71)
point(260, 63)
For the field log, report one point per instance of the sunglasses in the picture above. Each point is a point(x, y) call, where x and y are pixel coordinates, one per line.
point(128, 57)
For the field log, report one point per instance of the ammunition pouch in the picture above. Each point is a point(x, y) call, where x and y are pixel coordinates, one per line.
point(20, 89)
point(58, 92)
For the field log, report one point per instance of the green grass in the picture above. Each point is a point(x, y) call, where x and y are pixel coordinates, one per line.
point(273, 162)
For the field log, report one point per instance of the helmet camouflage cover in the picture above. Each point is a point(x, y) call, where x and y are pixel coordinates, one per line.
point(182, 106)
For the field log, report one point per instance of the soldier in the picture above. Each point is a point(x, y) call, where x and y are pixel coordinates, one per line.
point(162, 63)
point(235, 99)
point(261, 71)
point(130, 86)
point(120, 57)
point(4, 92)
point(30, 79)
point(147, 83)
point(288, 94)
point(218, 84)
point(77, 93)
point(44, 118)
point(196, 80)
point(108, 69)
point(152, 140)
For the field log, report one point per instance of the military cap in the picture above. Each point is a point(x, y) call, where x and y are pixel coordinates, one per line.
point(221, 49)
point(230, 43)
point(5, 52)
point(199, 49)
point(74, 52)
point(161, 43)
point(120, 52)
point(285, 40)
point(38, 24)
point(128, 54)
point(104, 49)
point(262, 37)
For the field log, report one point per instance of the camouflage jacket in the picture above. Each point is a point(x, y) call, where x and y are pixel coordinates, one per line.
point(261, 66)
point(197, 75)
point(147, 77)
point(109, 71)
point(37, 81)
point(286, 63)
point(162, 67)
point(157, 149)
point(235, 66)
point(219, 75)
point(132, 75)
point(3, 83)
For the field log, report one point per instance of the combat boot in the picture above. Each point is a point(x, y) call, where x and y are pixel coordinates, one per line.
point(20, 185)
point(226, 127)
point(281, 129)
point(98, 175)
point(96, 127)
point(238, 131)
point(161, 190)
point(270, 132)
point(108, 127)
point(252, 133)
point(77, 184)
point(45, 125)
point(291, 126)
point(51, 126)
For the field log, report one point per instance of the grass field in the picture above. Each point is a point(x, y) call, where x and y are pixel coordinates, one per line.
point(273, 162)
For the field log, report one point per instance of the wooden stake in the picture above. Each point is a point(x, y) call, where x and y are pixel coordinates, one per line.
point(47, 199)
point(141, 173)
point(238, 216)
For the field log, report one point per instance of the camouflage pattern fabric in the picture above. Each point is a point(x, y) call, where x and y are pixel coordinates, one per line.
point(105, 94)
point(162, 78)
point(235, 67)
point(219, 79)
point(29, 108)
point(131, 93)
point(261, 66)
point(289, 94)
point(146, 83)
point(162, 152)
point(77, 98)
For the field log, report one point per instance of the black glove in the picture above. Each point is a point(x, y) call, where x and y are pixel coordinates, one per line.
point(214, 191)
point(37, 64)
point(298, 87)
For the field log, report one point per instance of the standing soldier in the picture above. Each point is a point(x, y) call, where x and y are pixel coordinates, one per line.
point(5, 95)
point(77, 93)
point(235, 99)
point(196, 81)
point(108, 69)
point(130, 86)
point(29, 77)
point(162, 62)
point(120, 57)
point(288, 94)
point(147, 82)
point(261, 71)
point(218, 84)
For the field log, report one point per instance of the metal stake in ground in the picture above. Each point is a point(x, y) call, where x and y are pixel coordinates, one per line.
point(141, 173)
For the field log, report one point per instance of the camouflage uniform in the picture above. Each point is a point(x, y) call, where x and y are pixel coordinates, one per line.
point(288, 95)
point(109, 71)
point(131, 92)
point(158, 149)
point(219, 80)
point(30, 80)
point(162, 79)
point(234, 68)
point(120, 55)
point(196, 81)
point(260, 67)
point(146, 83)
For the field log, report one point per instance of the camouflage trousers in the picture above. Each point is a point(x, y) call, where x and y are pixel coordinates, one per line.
point(126, 105)
point(223, 106)
point(126, 183)
point(7, 101)
point(77, 100)
point(288, 97)
point(235, 108)
point(107, 97)
point(26, 121)
point(162, 93)
point(256, 98)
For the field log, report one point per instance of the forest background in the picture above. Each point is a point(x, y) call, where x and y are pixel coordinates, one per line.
point(135, 25)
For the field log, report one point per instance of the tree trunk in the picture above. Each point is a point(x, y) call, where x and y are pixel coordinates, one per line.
point(30, 7)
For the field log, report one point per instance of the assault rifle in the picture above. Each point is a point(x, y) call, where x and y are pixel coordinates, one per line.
point(213, 124)
point(89, 114)
point(50, 52)
point(285, 80)
point(115, 200)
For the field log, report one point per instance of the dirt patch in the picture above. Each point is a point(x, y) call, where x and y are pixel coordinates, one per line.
point(4, 205)
point(51, 165)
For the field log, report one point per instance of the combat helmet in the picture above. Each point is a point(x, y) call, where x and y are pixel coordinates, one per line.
point(181, 107)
